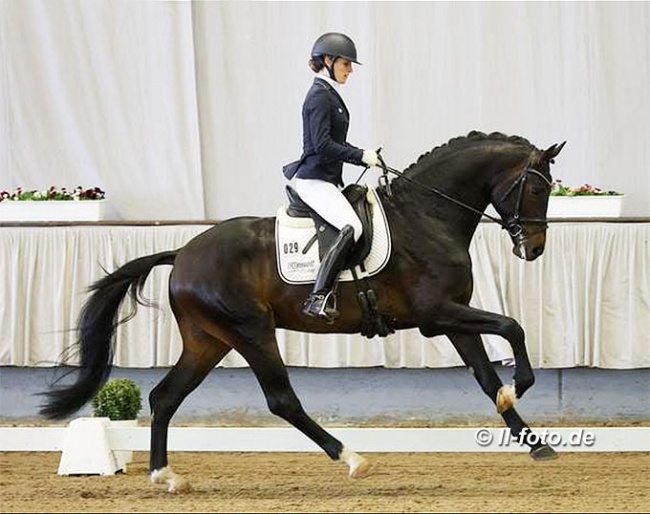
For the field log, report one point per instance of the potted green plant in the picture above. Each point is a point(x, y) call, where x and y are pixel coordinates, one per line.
point(119, 399)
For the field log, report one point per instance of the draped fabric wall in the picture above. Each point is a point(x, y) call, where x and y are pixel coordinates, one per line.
point(102, 93)
point(188, 110)
point(585, 302)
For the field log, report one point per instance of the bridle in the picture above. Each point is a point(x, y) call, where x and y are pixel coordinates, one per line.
point(514, 222)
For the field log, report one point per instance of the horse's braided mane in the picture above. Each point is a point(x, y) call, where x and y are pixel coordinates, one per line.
point(474, 135)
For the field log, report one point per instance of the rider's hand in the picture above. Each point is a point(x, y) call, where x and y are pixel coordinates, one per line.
point(370, 158)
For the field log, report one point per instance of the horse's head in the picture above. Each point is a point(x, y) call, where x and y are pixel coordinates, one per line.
point(521, 199)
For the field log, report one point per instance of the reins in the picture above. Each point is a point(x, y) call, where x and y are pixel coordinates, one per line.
point(383, 180)
point(513, 225)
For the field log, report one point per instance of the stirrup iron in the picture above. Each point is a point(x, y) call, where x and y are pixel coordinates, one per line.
point(317, 305)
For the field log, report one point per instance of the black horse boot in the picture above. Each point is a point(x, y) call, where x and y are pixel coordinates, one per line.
point(317, 304)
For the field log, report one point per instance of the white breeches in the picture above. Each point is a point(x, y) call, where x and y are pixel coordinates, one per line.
point(328, 201)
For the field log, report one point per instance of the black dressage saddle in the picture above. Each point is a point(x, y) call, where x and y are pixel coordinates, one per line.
point(325, 235)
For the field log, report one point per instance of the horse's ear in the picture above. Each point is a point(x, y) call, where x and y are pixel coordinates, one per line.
point(551, 152)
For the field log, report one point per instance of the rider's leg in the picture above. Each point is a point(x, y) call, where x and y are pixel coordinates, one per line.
point(330, 267)
point(331, 205)
point(328, 201)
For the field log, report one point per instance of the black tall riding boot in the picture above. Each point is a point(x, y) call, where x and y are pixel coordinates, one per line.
point(317, 303)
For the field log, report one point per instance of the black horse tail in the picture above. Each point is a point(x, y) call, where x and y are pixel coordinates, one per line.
point(96, 327)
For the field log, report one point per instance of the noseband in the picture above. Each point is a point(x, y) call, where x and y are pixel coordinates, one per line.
point(514, 223)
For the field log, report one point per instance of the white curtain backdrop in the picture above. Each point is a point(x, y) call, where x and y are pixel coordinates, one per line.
point(103, 93)
point(188, 110)
point(585, 302)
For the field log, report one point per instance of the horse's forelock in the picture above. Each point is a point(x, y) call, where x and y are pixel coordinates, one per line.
point(537, 163)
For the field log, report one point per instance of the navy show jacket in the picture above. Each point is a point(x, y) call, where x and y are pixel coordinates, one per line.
point(325, 122)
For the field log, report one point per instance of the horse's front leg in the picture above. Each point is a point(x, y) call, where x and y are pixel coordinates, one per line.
point(471, 350)
point(462, 319)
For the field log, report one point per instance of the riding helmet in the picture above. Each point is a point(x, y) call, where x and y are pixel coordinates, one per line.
point(336, 45)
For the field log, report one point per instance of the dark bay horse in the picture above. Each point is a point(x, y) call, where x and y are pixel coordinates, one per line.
point(226, 294)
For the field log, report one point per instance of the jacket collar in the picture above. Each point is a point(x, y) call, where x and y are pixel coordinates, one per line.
point(335, 85)
point(322, 80)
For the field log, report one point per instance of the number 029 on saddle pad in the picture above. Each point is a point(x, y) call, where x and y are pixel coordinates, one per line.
point(298, 255)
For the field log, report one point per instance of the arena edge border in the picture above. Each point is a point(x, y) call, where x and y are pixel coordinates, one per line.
point(253, 439)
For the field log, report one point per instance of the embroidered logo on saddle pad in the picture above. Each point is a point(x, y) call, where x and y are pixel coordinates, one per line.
point(295, 235)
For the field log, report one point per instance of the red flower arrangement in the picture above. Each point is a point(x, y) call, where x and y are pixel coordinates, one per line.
point(559, 189)
point(53, 193)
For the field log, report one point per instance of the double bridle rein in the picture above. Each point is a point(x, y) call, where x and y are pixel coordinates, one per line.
point(514, 222)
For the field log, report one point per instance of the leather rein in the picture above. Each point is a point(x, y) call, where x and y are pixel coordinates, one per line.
point(514, 222)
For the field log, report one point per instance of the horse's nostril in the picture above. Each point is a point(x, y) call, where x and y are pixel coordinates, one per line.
point(537, 251)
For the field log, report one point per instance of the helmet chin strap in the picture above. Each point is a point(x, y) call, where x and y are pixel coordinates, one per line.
point(330, 69)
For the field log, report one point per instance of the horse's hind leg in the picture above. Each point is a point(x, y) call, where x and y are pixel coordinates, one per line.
point(201, 353)
point(471, 350)
point(266, 362)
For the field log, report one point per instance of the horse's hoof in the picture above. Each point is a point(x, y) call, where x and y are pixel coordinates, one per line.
point(363, 470)
point(181, 486)
point(544, 452)
point(505, 398)
point(175, 483)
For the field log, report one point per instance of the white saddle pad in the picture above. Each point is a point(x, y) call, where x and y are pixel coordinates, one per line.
point(293, 234)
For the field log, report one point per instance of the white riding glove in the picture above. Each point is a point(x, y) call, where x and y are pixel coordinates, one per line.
point(370, 158)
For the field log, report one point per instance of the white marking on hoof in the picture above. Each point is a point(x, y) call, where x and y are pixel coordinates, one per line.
point(360, 467)
point(175, 483)
point(506, 398)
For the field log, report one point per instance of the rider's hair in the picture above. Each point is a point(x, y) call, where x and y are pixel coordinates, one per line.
point(317, 63)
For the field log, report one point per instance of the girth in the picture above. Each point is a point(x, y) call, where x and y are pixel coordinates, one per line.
point(356, 194)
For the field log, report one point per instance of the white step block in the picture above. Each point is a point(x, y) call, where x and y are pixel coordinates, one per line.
point(87, 450)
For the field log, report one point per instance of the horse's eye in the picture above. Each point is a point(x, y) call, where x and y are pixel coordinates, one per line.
point(536, 191)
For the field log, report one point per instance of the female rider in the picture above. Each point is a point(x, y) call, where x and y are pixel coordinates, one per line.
point(319, 174)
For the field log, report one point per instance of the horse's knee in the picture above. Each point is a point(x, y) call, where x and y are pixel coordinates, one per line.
point(512, 330)
point(523, 383)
